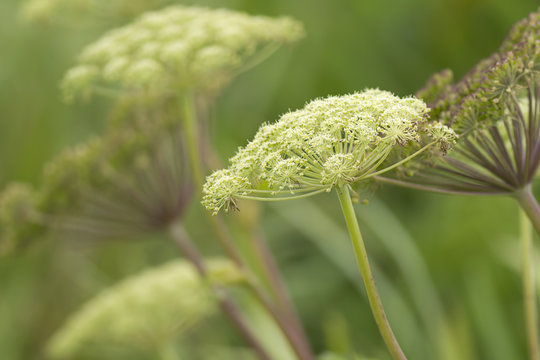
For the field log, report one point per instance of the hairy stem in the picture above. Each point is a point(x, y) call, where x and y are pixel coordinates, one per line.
point(181, 238)
point(529, 210)
point(367, 275)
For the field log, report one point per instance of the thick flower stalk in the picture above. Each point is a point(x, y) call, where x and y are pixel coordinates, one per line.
point(145, 313)
point(177, 49)
point(331, 143)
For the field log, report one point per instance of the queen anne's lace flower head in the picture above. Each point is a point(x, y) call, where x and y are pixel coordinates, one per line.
point(141, 313)
point(330, 142)
point(178, 48)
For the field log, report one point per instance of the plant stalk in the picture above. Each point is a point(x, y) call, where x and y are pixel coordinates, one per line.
point(181, 238)
point(190, 129)
point(367, 276)
point(276, 284)
point(529, 210)
point(529, 205)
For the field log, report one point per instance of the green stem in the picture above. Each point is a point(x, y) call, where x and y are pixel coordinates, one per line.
point(292, 197)
point(529, 211)
point(190, 129)
point(529, 205)
point(367, 276)
point(181, 238)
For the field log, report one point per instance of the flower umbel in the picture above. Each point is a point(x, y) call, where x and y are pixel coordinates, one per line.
point(494, 109)
point(178, 48)
point(141, 313)
point(330, 142)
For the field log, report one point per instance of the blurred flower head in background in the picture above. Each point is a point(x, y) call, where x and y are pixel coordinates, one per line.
point(178, 48)
point(141, 314)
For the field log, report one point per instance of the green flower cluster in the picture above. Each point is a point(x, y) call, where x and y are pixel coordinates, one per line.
point(330, 142)
point(483, 97)
point(145, 311)
point(130, 181)
point(494, 110)
point(178, 48)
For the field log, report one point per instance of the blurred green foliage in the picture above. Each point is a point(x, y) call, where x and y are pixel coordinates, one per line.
point(350, 45)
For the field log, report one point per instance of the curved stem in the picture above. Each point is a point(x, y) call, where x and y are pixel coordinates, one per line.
point(292, 197)
point(529, 213)
point(529, 205)
point(367, 276)
point(181, 238)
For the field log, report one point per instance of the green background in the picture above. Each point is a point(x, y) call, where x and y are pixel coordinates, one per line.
point(466, 243)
